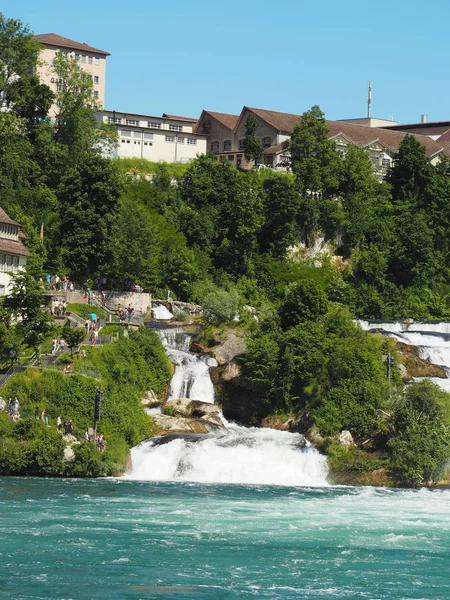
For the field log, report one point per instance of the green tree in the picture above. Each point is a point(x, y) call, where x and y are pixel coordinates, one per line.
point(24, 302)
point(253, 146)
point(19, 54)
point(420, 449)
point(88, 194)
point(304, 300)
point(314, 159)
point(72, 336)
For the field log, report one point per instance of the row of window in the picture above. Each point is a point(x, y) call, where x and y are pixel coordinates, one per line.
point(138, 143)
point(180, 140)
point(8, 263)
point(137, 123)
point(9, 231)
point(86, 59)
point(227, 145)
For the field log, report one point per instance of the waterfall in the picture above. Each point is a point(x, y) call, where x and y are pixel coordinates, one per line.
point(241, 455)
point(432, 341)
point(233, 455)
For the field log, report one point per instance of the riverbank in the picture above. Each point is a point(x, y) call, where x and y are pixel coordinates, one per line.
point(126, 369)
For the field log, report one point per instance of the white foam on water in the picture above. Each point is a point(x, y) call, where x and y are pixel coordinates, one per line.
point(160, 312)
point(240, 456)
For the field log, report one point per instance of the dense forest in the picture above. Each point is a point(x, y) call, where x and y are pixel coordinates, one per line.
point(230, 239)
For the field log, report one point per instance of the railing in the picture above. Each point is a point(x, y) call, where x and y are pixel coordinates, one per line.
point(14, 370)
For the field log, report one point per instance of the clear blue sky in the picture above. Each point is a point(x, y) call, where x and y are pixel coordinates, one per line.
point(180, 56)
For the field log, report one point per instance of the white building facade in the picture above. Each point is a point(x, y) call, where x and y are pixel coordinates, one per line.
point(168, 138)
point(13, 254)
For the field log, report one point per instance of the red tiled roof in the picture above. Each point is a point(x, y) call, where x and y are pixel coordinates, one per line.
point(224, 118)
point(360, 135)
point(4, 218)
point(53, 39)
point(445, 137)
point(13, 247)
point(176, 118)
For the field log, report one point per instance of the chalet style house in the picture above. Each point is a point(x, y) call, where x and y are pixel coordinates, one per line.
point(226, 135)
point(13, 254)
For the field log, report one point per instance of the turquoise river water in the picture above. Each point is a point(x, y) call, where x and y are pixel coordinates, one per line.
point(108, 539)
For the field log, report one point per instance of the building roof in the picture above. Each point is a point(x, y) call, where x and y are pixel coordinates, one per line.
point(229, 121)
point(360, 135)
point(53, 39)
point(176, 118)
point(445, 137)
point(4, 218)
point(13, 247)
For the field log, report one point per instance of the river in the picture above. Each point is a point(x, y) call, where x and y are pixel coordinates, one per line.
point(107, 539)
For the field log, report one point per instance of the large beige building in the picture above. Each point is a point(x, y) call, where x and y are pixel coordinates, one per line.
point(168, 138)
point(92, 60)
point(226, 135)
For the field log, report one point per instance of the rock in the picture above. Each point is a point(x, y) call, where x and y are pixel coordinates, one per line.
point(69, 454)
point(314, 436)
point(150, 399)
point(2, 404)
point(403, 371)
point(193, 409)
point(230, 371)
point(230, 345)
point(178, 406)
point(206, 411)
point(346, 439)
point(70, 439)
point(168, 424)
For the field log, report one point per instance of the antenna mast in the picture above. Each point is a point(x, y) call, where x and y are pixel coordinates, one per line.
point(369, 100)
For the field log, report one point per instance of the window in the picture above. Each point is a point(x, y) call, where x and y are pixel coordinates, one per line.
point(116, 120)
point(90, 60)
point(175, 128)
point(96, 61)
point(145, 143)
point(386, 163)
point(227, 146)
point(137, 134)
point(154, 125)
point(148, 136)
point(214, 146)
point(83, 58)
point(241, 144)
point(170, 138)
point(126, 133)
point(132, 122)
point(128, 141)
point(95, 94)
point(96, 79)
point(9, 263)
point(267, 142)
point(180, 140)
point(231, 157)
point(192, 141)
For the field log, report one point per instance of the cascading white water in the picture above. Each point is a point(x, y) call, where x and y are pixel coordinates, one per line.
point(191, 378)
point(160, 312)
point(241, 455)
point(432, 341)
point(233, 455)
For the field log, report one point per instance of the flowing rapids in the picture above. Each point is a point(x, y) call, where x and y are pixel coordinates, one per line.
point(235, 454)
point(431, 339)
point(135, 540)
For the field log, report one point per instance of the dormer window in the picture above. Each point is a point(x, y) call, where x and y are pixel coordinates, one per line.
point(267, 142)
point(9, 231)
